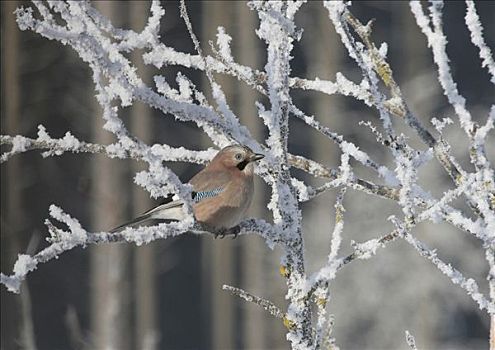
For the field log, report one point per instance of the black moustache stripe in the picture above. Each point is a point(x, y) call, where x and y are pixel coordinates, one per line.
point(242, 164)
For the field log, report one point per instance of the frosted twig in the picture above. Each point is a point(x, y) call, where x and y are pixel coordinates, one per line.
point(342, 86)
point(125, 81)
point(362, 251)
point(367, 249)
point(217, 93)
point(339, 15)
point(329, 342)
point(468, 284)
point(62, 241)
point(339, 226)
point(264, 303)
point(438, 43)
point(277, 29)
point(476, 29)
point(56, 147)
point(347, 147)
point(321, 295)
point(380, 65)
point(399, 107)
point(105, 49)
point(490, 258)
point(194, 38)
point(68, 143)
point(411, 341)
point(321, 292)
point(53, 146)
point(440, 149)
point(318, 170)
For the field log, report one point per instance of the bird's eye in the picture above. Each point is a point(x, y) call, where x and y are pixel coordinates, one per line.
point(238, 156)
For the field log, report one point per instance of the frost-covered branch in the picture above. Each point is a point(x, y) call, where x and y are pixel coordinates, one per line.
point(396, 105)
point(474, 25)
point(117, 84)
point(56, 147)
point(321, 290)
point(265, 304)
point(468, 284)
point(62, 241)
point(432, 29)
point(277, 29)
point(411, 342)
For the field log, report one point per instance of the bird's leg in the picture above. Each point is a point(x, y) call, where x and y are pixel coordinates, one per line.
point(235, 231)
point(205, 227)
point(221, 233)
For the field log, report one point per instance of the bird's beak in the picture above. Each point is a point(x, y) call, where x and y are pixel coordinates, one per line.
point(256, 156)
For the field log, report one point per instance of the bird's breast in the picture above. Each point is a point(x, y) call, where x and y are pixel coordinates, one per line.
point(228, 208)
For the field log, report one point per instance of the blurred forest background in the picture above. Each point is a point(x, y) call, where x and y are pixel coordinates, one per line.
point(167, 295)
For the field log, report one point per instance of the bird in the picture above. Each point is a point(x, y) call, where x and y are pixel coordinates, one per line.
point(221, 192)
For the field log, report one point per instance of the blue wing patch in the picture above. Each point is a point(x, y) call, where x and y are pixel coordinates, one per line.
point(199, 196)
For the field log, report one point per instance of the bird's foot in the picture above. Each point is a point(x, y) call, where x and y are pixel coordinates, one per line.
point(235, 231)
point(221, 233)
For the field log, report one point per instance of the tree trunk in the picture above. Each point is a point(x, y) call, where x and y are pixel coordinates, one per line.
point(218, 255)
point(109, 271)
point(146, 332)
point(13, 322)
point(255, 266)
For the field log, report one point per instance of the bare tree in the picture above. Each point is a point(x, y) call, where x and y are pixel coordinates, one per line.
point(104, 48)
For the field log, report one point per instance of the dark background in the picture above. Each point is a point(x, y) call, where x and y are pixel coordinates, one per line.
point(167, 295)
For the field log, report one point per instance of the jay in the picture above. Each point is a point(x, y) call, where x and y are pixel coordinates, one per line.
point(222, 192)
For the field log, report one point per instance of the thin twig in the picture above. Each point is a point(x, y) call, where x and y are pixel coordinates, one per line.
point(264, 303)
point(411, 341)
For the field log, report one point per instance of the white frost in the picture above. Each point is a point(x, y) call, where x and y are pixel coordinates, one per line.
point(105, 49)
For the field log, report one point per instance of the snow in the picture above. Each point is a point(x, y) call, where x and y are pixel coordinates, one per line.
point(410, 340)
point(468, 284)
point(184, 88)
point(476, 29)
point(24, 264)
point(389, 176)
point(19, 144)
point(367, 249)
point(223, 42)
point(438, 43)
point(303, 191)
point(24, 17)
point(383, 50)
point(338, 228)
point(69, 142)
point(77, 234)
point(441, 124)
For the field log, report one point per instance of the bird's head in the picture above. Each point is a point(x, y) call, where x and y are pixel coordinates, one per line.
point(238, 158)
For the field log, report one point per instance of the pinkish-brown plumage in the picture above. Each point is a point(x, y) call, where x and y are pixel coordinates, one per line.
point(222, 191)
point(232, 170)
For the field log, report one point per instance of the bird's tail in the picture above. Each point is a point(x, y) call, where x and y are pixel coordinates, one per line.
point(169, 211)
point(134, 222)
